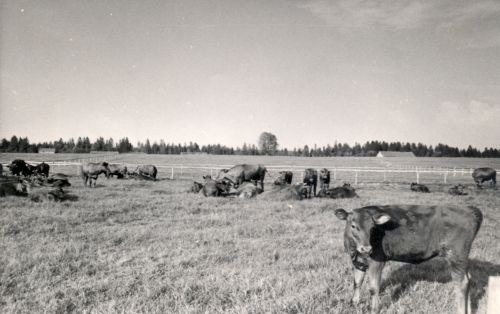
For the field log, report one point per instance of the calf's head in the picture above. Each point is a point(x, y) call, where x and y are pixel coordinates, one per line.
point(360, 226)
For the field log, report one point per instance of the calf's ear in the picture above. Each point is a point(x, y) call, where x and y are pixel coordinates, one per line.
point(381, 218)
point(341, 214)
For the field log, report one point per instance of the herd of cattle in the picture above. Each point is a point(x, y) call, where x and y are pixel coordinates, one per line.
point(38, 184)
point(247, 181)
point(373, 235)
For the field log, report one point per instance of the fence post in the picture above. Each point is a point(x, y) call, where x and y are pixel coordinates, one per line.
point(172, 175)
point(418, 176)
point(334, 174)
point(454, 171)
point(211, 172)
point(385, 176)
point(493, 303)
point(445, 175)
point(356, 177)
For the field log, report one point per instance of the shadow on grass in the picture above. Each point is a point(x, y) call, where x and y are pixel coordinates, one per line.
point(438, 271)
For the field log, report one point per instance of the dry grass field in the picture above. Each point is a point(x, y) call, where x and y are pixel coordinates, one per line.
point(149, 247)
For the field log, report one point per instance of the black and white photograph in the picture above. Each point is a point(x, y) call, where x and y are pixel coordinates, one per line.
point(250, 156)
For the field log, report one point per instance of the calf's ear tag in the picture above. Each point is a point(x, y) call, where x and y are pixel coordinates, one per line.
point(381, 219)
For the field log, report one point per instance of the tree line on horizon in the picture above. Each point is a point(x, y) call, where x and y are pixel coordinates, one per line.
point(368, 149)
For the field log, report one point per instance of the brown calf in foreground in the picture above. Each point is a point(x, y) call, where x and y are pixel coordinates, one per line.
point(374, 235)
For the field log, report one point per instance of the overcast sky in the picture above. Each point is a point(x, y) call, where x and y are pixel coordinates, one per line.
point(209, 71)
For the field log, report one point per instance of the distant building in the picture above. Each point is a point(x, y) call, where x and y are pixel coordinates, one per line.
point(43, 150)
point(395, 154)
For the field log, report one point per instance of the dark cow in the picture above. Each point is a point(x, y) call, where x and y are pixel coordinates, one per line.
point(120, 171)
point(20, 167)
point(457, 190)
point(284, 177)
point(58, 180)
point(345, 191)
point(215, 187)
point(415, 187)
point(485, 174)
point(324, 179)
point(374, 235)
point(137, 176)
point(196, 187)
point(13, 186)
point(147, 170)
point(244, 173)
point(311, 180)
point(91, 170)
point(42, 169)
point(1, 170)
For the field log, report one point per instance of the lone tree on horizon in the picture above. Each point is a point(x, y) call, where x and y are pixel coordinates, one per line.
point(268, 143)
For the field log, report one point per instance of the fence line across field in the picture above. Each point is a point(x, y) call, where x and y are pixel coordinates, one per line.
point(181, 169)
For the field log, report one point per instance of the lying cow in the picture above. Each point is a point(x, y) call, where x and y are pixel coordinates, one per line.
point(146, 171)
point(196, 187)
point(485, 174)
point(298, 191)
point(311, 181)
point(58, 180)
point(245, 190)
point(13, 187)
point(324, 179)
point(215, 188)
point(284, 178)
point(42, 169)
point(91, 170)
point(120, 171)
point(457, 190)
point(374, 235)
point(345, 191)
point(415, 187)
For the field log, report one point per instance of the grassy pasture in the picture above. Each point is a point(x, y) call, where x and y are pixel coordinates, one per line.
point(133, 246)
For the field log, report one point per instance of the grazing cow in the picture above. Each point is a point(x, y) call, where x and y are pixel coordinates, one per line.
point(196, 187)
point(215, 187)
point(244, 173)
point(374, 235)
point(91, 170)
point(457, 190)
point(311, 181)
point(20, 167)
point(147, 170)
point(120, 171)
point(42, 169)
point(324, 179)
point(285, 177)
point(485, 174)
point(415, 187)
point(345, 191)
